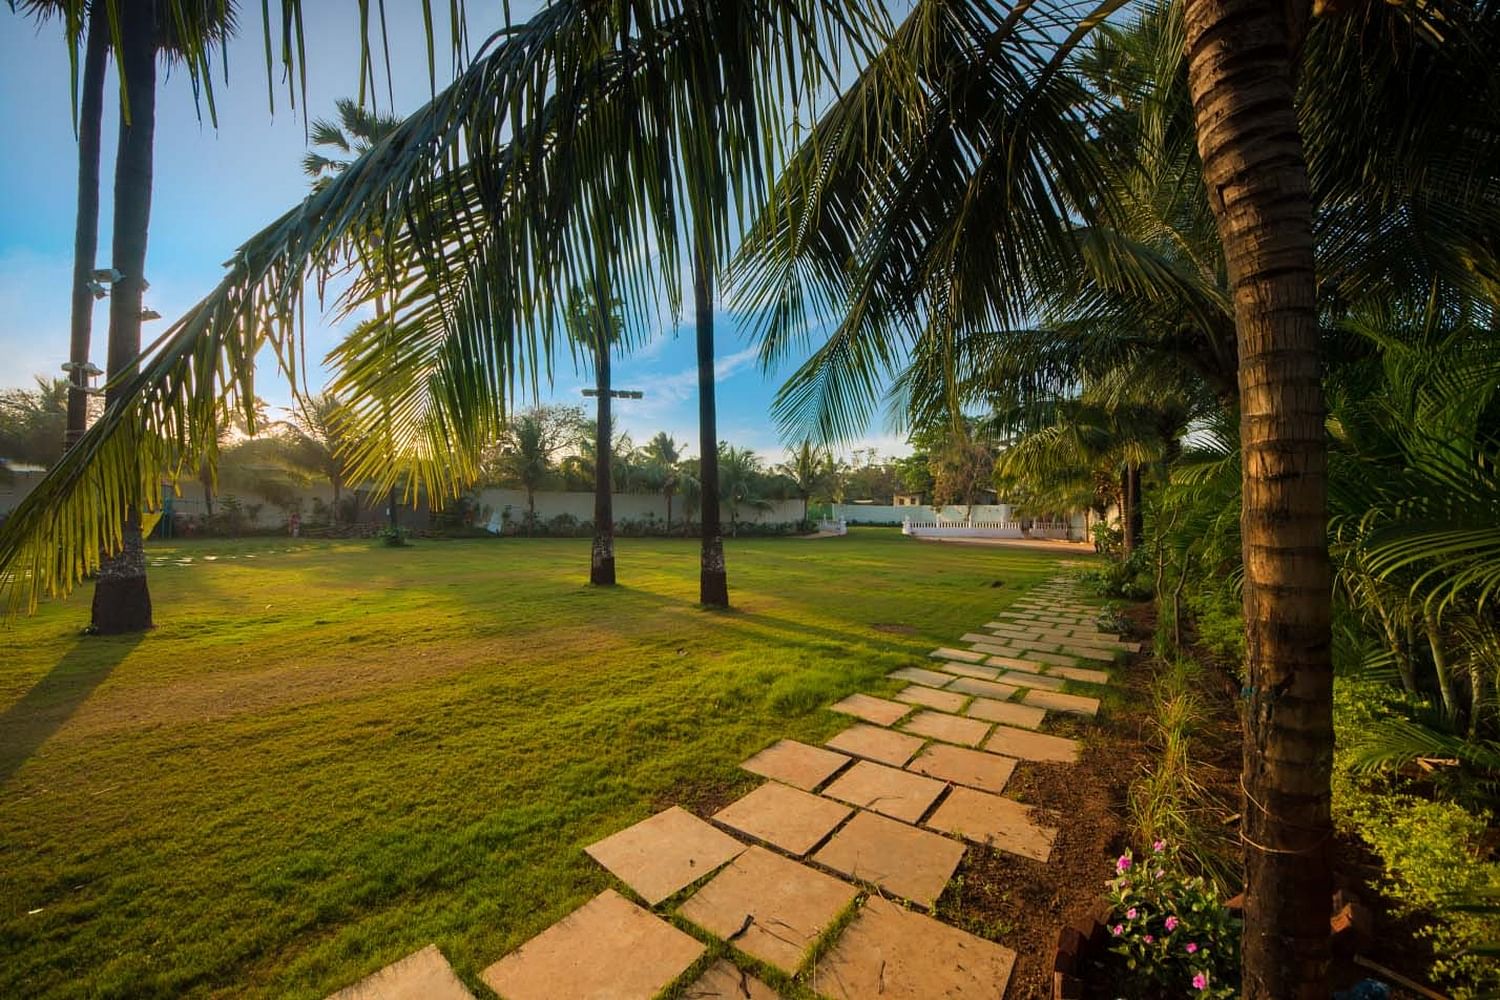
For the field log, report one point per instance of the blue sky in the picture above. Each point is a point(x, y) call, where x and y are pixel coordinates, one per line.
point(215, 187)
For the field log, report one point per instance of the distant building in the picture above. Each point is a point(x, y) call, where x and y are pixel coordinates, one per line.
point(909, 499)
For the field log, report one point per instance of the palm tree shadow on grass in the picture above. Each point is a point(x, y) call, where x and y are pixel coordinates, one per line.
point(43, 710)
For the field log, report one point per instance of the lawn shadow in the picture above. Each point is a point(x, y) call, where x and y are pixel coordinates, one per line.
point(43, 710)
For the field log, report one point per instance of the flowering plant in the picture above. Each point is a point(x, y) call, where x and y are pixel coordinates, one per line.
point(1176, 937)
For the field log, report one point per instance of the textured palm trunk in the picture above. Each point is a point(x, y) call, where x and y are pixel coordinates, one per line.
point(1132, 519)
point(602, 565)
point(713, 580)
point(1240, 77)
point(122, 599)
point(86, 227)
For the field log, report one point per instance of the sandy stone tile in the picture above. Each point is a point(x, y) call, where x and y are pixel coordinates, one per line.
point(661, 855)
point(769, 907)
point(778, 814)
point(1025, 680)
point(884, 745)
point(1008, 712)
point(946, 653)
point(994, 820)
point(917, 675)
point(1025, 745)
point(891, 953)
point(913, 863)
point(724, 981)
point(972, 637)
point(1073, 704)
point(999, 648)
point(1085, 653)
point(1034, 650)
point(987, 772)
point(797, 764)
point(970, 670)
point(896, 793)
point(989, 689)
point(1015, 663)
point(422, 975)
point(952, 728)
point(1082, 675)
point(946, 701)
point(609, 947)
point(876, 710)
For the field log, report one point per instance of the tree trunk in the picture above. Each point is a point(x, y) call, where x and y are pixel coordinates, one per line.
point(122, 599)
point(1444, 669)
point(391, 510)
point(86, 227)
point(530, 512)
point(1133, 521)
point(1240, 58)
point(669, 512)
point(713, 581)
point(338, 489)
point(602, 564)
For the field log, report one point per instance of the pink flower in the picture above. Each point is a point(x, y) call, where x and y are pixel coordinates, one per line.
point(1171, 924)
point(1159, 872)
point(1200, 981)
point(1150, 939)
point(1117, 930)
point(1192, 946)
point(1158, 846)
point(1130, 913)
point(1123, 864)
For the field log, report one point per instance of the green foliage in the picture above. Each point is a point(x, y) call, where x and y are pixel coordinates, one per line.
point(393, 537)
point(1175, 934)
point(1126, 578)
point(32, 422)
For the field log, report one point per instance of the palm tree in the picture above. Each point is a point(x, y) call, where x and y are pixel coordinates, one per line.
point(357, 131)
point(663, 455)
point(318, 445)
point(596, 326)
point(739, 481)
point(527, 448)
point(805, 470)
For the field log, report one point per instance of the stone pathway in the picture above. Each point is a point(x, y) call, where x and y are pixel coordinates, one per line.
point(827, 871)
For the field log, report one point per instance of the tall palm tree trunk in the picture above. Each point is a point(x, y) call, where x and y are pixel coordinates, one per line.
point(122, 600)
point(602, 565)
point(1132, 519)
point(86, 227)
point(1240, 77)
point(713, 581)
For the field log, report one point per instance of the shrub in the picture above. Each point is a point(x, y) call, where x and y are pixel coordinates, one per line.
point(393, 537)
point(1176, 936)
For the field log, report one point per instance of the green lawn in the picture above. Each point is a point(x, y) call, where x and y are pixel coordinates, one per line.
point(325, 758)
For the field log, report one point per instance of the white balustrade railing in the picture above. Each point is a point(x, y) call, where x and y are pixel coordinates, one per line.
point(932, 528)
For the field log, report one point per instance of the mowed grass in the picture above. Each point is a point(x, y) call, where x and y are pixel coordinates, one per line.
point(325, 758)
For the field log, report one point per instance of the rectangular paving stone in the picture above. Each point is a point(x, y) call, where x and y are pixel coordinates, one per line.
point(797, 764)
point(1007, 712)
point(1073, 704)
point(952, 728)
point(989, 689)
point(992, 819)
point(793, 820)
point(970, 670)
point(769, 907)
point(1033, 650)
point(988, 649)
point(884, 745)
point(895, 793)
point(1084, 653)
point(972, 637)
point(1082, 675)
point(1007, 628)
point(945, 701)
point(1032, 681)
point(668, 852)
point(1015, 663)
point(987, 772)
point(1053, 658)
point(913, 863)
point(876, 710)
point(891, 953)
point(422, 975)
point(946, 653)
point(917, 675)
point(725, 981)
point(1025, 745)
point(608, 947)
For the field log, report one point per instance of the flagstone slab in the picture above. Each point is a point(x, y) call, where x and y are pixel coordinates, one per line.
point(797, 764)
point(987, 772)
point(783, 816)
point(917, 675)
point(1073, 704)
point(887, 790)
point(1082, 675)
point(725, 981)
point(972, 637)
point(970, 670)
point(995, 820)
point(947, 653)
point(891, 953)
point(952, 728)
point(1035, 649)
point(665, 853)
point(876, 710)
point(1052, 658)
point(989, 689)
point(1026, 745)
point(1024, 680)
point(422, 975)
point(607, 948)
point(1003, 628)
point(913, 863)
point(769, 907)
point(1015, 663)
point(998, 648)
point(1008, 712)
point(946, 701)
point(884, 745)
